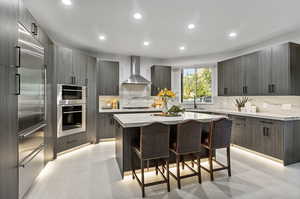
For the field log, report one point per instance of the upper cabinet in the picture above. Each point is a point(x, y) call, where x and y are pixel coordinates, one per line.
point(28, 21)
point(160, 78)
point(71, 66)
point(272, 71)
point(108, 78)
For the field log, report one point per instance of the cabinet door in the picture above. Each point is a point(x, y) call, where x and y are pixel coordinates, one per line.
point(63, 62)
point(228, 74)
point(221, 78)
point(92, 105)
point(106, 126)
point(265, 72)
point(108, 78)
point(251, 77)
point(241, 132)
point(79, 67)
point(160, 78)
point(280, 70)
point(237, 77)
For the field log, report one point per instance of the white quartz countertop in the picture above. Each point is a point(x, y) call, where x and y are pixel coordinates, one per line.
point(263, 115)
point(143, 119)
point(129, 110)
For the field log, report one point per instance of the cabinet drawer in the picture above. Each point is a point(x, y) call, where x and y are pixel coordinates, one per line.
point(68, 142)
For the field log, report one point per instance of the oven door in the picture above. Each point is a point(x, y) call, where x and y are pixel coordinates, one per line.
point(71, 119)
point(71, 94)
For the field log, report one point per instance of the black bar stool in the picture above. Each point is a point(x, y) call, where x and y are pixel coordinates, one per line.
point(218, 137)
point(153, 145)
point(187, 144)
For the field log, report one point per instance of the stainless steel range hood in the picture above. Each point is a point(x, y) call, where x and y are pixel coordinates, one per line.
point(135, 77)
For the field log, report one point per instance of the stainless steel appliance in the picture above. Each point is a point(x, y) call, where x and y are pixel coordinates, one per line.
point(71, 119)
point(71, 94)
point(31, 108)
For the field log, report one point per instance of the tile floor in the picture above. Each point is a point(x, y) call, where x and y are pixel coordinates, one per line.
point(92, 173)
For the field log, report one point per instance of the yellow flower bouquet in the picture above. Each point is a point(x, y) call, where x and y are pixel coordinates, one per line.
point(165, 95)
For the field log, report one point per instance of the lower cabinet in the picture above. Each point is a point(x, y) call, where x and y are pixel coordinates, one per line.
point(260, 135)
point(71, 141)
point(106, 127)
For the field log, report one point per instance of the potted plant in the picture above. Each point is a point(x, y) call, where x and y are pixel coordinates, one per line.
point(165, 96)
point(175, 110)
point(241, 102)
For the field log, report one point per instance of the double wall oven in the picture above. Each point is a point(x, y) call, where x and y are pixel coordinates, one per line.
point(71, 109)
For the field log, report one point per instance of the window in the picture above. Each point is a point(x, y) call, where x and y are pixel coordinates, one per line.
point(197, 85)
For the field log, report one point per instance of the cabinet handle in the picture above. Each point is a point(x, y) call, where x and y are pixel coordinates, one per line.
point(225, 91)
point(273, 88)
point(18, 56)
point(34, 29)
point(86, 81)
point(266, 122)
point(74, 80)
point(270, 88)
point(18, 83)
point(246, 89)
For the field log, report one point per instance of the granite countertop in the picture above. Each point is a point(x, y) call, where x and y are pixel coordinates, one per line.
point(129, 110)
point(263, 115)
point(143, 119)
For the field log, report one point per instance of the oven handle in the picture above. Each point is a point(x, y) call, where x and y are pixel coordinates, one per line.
point(30, 157)
point(23, 135)
point(67, 112)
point(72, 90)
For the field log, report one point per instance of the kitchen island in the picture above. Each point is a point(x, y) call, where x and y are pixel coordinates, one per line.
point(127, 128)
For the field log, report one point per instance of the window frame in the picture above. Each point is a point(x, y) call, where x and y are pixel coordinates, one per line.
point(213, 82)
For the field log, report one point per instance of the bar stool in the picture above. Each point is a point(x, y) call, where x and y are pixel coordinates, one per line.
point(153, 145)
point(218, 137)
point(187, 143)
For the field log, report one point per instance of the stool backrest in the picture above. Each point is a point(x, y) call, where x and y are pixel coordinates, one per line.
point(189, 137)
point(220, 133)
point(154, 141)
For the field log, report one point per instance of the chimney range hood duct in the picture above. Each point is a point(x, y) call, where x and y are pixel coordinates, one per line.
point(135, 77)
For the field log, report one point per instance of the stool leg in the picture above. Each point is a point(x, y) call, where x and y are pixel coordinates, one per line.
point(192, 161)
point(156, 167)
point(211, 165)
point(132, 166)
point(143, 182)
point(182, 161)
point(163, 167)
point(199, 170)
point(228, 161)
point(168, 175)
point(178, 171)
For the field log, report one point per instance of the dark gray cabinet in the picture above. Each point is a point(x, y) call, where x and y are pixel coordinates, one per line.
point(29, 22)
point(261, 135)
point(272, 71)
point(63, 65)
point(71, 141)
point(71, 66)
point(92, 100)
point(108, 78)
point(8, 100)
point(79, 67)
point(160, 78)
point(106, 127)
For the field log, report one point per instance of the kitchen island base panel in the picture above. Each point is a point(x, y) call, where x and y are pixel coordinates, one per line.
point(124, 139)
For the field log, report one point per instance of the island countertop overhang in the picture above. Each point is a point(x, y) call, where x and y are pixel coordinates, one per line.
point(144, 119)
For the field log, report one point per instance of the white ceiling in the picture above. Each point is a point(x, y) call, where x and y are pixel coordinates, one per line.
point(164, 24)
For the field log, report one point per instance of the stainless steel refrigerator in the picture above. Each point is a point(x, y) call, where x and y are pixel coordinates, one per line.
point(31, 108)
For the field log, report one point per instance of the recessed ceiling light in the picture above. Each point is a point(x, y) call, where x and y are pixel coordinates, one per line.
point(138, 16)
point(146, 43)
point(191, 26)
point(181, 48)
point(67, 2)
point(102, 37)
point(232, 34)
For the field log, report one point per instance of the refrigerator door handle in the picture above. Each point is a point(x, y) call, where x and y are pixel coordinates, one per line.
point(18, 83)
point(18, 56)
point(23, 135)
point(31, 156)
